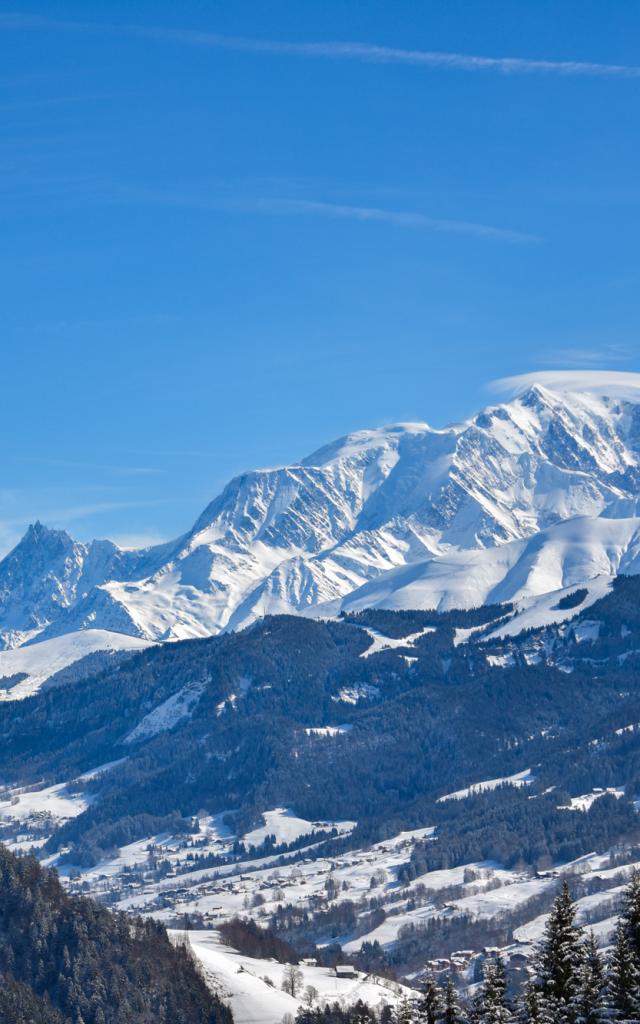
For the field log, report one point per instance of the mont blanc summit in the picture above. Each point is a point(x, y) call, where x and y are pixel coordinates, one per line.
point(525, 498)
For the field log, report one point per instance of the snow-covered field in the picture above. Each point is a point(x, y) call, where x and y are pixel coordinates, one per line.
point(387, 643)
point(252, 987)
point(30, 814)
point(55, 802)
point(286, 827)
point(161, 876)
point(525, 778)
point(586, 800)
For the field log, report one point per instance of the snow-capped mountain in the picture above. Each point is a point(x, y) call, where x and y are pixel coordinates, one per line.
point(47, 572)
point(403, 514)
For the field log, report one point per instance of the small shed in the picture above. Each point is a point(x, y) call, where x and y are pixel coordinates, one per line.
point(345, 971)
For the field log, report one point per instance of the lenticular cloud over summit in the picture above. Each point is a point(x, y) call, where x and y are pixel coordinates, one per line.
point(615, 383)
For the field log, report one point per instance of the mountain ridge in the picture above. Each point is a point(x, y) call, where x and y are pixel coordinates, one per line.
point(307, 537)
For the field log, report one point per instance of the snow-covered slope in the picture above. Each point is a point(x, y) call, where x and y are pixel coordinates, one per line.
point(253, 990)
point(32, 665)
point(403, 516)
point(558, 558)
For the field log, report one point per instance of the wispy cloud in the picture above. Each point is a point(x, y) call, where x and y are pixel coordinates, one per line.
point(368, 53)
point(138, 540)
point(57, 101)
point(13, 526)
point(577, 357)
point(272, 206)
point(73, 513)
point(108, 468)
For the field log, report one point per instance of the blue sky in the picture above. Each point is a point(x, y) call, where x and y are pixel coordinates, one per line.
point(228, 237)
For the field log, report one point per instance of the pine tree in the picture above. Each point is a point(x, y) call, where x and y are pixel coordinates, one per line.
point(362, 1014)
point(491, 1007)
point(451, 1013)
point(624, 976)
point(631, 914)
point(592, 986)
point(529, 1007)
point(386, 1014)
point(559, 963)
point(404, 1012)
point(430, 1005)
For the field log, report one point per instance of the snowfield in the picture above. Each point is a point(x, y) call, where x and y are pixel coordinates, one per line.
point(524, 778)
point(242, 982)
point(387, 643)
point(584, 802)
point(57, 803)
point(169, 713)
point(286, 827)
point(553, 563)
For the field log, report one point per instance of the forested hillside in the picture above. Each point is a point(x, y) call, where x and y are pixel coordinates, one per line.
point(180, 779)
point(370, 719)
point(66, 960)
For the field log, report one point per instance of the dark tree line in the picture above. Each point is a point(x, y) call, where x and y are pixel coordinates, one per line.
point(249, 938)
point(66, 960)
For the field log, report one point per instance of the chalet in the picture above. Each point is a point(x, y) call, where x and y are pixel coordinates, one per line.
point(345, 971)
point(461, 959)
point(436, 966)
point(518, 960)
